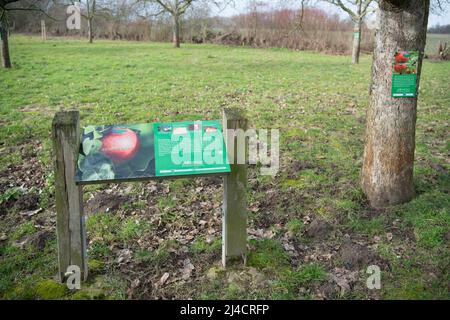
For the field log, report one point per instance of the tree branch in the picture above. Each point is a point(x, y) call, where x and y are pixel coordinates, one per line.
point(341, 5)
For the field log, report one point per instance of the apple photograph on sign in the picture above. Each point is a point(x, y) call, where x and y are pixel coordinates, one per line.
point(406, 62)
point(111, 153)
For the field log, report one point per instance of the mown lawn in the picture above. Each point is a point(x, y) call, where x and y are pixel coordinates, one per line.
point(312, 232)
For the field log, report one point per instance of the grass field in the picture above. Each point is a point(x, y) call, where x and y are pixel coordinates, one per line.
point(433, 43)
point(312, 232)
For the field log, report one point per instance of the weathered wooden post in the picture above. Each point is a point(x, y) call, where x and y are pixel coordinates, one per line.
point(70, 227)
point(234, 219)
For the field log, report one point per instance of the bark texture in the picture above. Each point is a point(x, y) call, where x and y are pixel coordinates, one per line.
point(387, 174)
point(356, 42)
point(176, 31)
point(90, 34)
point(357, 31)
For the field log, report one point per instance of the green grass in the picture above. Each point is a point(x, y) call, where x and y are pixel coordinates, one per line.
point(160, 256)
point(317, 101)
point(295, 226)
point(429, 216)
point(268, 254)
point(291, 281)
point(23, 269)
point(200, 245)
point(109, 227)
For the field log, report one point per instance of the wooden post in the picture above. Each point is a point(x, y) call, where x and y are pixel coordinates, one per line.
point(71, 232)
point(234, 219)
point(43, 31)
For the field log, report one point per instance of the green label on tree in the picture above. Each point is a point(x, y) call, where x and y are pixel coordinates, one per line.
point(357, 35)
point(186, 148)
point(404, 74)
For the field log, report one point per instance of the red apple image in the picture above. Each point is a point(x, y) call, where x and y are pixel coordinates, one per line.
point(400, 68)
point(120, 145)
point(400, 58)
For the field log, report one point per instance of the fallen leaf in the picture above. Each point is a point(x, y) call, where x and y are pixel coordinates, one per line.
point(288, 247)
point(343, 279)
point(135, 283)
point(209, 238)
point(389, 236)
point(124, 256)
point(31, 212)
point(164, 278)
point(327, 256)
point(187, 269)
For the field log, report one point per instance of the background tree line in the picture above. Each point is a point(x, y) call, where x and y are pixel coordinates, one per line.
point(445, 29)
point(260, 25)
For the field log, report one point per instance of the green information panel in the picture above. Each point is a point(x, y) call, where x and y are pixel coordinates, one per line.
point(137, 152)
point(356, 35)
point(185, 148)
point(404, 74)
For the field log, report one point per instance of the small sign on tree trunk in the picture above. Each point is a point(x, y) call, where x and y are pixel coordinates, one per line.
point(404, 74)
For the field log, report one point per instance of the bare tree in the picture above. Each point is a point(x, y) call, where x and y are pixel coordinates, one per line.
point(254, 8)
point(177, 8)
point(198, 23)
point(7, 6)
point(387, 174)
point(90, 6)
point(4, 8)
point(88, 10)
point(357, 10)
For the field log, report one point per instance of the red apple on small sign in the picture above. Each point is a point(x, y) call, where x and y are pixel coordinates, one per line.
point(120, 145)
point(400, 67)
point(400, 58)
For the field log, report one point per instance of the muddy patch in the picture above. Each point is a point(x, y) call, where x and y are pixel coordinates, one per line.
point(105, 202)
point(43, 110)
point(296, 166)
point(37, 240)
point(319, 229)
point(21, 183)
point(30, 173)
point(355, 256)
point(29, 201)
point(328, 290)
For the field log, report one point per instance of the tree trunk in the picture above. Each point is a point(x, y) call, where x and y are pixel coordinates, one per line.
point(6, 60)
point(356, 41)
point(204, 33)
point(357, 34)
point(90, 35)
point(43, 31)
point(176, 31)
point(387, 174)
